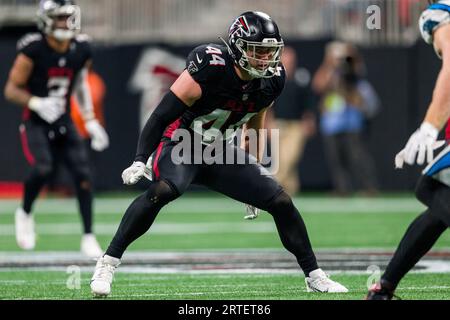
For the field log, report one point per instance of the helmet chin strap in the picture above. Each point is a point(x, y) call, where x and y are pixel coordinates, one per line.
point(63, 34)
point(228, 46)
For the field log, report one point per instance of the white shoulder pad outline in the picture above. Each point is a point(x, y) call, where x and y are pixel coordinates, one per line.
point(27, 39)
point(435, 16)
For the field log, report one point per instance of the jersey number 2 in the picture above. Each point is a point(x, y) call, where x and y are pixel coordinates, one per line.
point(58, 87)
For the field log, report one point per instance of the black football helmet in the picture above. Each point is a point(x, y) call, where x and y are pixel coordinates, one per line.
point(255, 43)
point(51, 10)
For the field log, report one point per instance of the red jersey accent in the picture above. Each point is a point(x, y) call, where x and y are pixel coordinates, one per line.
point(25, 146)
point(155, 163)
point(60, 72)
point(171, 128)
point(447, 131)
point(26, 114)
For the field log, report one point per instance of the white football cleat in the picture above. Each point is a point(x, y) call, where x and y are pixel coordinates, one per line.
point(103, 275)
point(90, 246)
point(25, 234)
point(319, 281)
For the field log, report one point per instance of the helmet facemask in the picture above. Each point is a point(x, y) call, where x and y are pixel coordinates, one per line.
point(260, 59)
point(51, 15)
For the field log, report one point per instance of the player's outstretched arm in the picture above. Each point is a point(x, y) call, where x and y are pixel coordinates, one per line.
point(439, 110)
point(182, 94)
point(422, 142)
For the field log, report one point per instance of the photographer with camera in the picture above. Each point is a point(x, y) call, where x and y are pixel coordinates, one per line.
point(348, 101)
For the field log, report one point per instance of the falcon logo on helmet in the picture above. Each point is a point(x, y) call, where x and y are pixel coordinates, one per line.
point(240, 27)
point(59, 18)
point(255, 44)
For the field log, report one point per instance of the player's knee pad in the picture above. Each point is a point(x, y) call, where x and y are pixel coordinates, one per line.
point(161, 193)
point(281, 204)
point(85, 184)
point(83, 178)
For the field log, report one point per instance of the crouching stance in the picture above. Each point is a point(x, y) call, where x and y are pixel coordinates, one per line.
point(222, 88)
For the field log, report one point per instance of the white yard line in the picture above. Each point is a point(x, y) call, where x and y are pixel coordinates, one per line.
point(223, 205)
point(259, 262)
point(158, 228)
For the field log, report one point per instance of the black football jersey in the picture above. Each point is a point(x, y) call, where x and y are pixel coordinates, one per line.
point(54, 73)
point(227, 102)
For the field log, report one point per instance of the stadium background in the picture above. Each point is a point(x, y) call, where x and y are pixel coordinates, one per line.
point(401, 67)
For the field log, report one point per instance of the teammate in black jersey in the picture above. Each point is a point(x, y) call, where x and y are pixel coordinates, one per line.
point(222, 88)
point(50, 65)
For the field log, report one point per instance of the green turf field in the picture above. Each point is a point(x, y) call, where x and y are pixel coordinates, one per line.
point(52, 285)
point(227, 256)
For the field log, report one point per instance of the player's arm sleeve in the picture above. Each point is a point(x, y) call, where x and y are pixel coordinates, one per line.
point(169, 109)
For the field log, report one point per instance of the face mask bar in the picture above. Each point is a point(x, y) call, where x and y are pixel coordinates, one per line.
point(260, 59)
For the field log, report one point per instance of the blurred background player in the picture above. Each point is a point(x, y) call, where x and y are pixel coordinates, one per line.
point(50, 65)
point(347, 100)
point(433, 187)
point(60, 183)
point(222, 88)
point(292, 114)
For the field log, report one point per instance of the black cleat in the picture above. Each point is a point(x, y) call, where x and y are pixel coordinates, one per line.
point(380, 291)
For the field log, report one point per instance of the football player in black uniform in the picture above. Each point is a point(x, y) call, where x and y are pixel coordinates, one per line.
point(223, 87)
point(50, 65)
point(433, 187)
